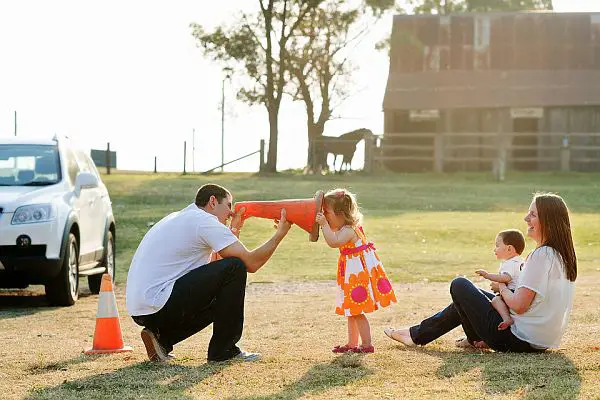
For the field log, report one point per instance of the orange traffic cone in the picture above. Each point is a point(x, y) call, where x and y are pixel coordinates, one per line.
point(301, 212)
point(107, 336)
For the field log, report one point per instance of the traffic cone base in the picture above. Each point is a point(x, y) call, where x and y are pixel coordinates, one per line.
point(107, 335)
point(301, 212)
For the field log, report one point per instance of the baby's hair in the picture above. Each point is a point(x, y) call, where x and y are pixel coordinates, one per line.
point(514, 238)
point(343, 202)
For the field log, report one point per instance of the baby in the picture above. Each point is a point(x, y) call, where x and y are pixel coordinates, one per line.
point(509, 247)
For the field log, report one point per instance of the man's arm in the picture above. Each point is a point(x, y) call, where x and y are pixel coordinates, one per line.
point(256, 258)
point(216, 256)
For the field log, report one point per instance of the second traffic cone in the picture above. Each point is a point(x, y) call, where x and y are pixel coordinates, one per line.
point(301, 212)
point(107, 336)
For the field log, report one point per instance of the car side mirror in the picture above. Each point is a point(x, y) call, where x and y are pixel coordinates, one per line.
point(85, 180)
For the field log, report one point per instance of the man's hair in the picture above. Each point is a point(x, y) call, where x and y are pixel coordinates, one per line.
point(210, 189)
point(514, 238)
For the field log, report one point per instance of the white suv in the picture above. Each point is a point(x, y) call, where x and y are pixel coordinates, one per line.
point(56, 219)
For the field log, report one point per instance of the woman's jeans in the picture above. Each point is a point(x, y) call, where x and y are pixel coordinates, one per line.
point(471, 308)
point(213, 293)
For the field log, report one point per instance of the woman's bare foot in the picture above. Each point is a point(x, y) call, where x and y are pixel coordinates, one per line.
point(400, 335)
point(505, 324)
point(480, 345)
point(463, 343)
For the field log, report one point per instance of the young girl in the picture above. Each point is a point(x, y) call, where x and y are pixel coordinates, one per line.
point(363, 285)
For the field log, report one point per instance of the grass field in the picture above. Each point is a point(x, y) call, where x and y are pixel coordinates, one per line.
point(427, 228)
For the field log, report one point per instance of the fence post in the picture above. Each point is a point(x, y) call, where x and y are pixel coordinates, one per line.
point(438, 152)
point(261, 165)
point(107, 158)
point(565, 155)
point(499, 169)
point(368, 168)
point(154, 164)
point(184, 152)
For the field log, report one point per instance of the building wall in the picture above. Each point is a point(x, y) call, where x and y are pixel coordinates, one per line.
point(496, 41)
point(479, 152)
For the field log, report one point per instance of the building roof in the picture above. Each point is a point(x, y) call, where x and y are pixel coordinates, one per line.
point(491, 89)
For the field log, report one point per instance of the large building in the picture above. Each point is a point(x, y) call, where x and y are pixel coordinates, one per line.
point(528, 83)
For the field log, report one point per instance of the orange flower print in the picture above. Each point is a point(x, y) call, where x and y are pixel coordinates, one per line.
point(382, 287)
point(357, 297)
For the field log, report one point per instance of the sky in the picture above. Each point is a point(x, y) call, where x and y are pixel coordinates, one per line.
point(129, 73)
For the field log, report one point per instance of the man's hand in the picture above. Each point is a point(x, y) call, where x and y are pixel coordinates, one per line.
point(320, 219)
point(237, 221)
point(282, 225)
point(482, 272)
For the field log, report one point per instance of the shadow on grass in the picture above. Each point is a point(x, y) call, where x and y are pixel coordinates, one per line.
point(15, 303)
point(145, 380)
point(340, 372)
point(550, 375)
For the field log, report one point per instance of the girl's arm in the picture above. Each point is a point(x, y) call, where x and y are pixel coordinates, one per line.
point(334, 239)
point(519, 301)
point(500, 278)
point(338, 238)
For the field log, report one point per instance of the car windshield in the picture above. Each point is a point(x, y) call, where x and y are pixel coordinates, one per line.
point(29, 165)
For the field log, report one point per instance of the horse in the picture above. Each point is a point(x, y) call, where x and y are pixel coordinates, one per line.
point(344, 145)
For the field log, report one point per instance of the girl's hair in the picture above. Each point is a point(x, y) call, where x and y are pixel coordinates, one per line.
point(556, 229)
point(343, 202)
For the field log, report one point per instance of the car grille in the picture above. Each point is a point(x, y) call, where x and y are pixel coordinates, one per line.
point(36, 250)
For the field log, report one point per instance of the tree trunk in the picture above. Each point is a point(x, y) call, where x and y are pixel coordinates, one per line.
point(317, 158)
point(271, 165)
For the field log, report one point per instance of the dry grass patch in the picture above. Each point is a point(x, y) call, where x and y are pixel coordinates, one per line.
point(294, 327)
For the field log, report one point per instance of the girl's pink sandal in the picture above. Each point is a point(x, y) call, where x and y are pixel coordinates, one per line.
point(364, 349)
point(344, 349)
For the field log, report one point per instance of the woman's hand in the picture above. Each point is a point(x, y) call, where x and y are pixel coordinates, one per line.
point(494, 286)
point(320, 219)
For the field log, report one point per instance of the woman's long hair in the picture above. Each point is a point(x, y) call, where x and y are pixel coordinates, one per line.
point(556, 229)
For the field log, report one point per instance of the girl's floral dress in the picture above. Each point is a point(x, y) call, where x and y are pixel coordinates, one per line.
point(363, 284)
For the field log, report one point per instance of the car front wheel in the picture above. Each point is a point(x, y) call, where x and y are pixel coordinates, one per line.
point(64, 289)
point(108, 262)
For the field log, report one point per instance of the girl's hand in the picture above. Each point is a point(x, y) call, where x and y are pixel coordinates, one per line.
point(320, 219)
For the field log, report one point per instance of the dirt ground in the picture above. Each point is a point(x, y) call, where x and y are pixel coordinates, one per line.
point(41, 346)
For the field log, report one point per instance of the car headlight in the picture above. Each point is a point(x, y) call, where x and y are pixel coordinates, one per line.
point(33, 214)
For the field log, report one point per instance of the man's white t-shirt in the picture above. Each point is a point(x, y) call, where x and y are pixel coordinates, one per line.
point(177, 244)
point(512, 267)
point(545, 322)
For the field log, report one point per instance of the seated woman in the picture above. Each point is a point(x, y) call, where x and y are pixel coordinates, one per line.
point(540, 306)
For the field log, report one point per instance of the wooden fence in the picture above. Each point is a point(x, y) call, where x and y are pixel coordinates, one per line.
point(440, 152)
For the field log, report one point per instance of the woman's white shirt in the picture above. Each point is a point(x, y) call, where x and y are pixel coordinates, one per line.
point(545, 322)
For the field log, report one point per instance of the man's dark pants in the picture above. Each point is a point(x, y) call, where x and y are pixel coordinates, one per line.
point(471, 308)
point(213, 293)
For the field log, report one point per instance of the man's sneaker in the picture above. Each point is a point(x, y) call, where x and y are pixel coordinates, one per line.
point(154, 349)
point(247, 356)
